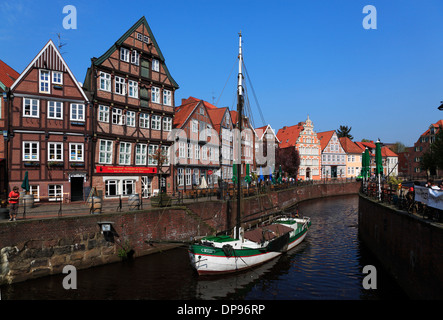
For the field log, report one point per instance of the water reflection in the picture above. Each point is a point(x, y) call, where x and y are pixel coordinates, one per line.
point(327, 265)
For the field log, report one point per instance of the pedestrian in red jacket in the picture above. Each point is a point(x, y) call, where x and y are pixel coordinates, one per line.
point(14, 196)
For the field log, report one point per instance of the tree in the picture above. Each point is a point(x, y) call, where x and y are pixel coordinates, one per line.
point(398, 147)
point(433, 158)
point(343, 132)
point(288, 159)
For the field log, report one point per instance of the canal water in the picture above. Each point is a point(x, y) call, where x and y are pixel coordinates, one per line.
point(328, 265)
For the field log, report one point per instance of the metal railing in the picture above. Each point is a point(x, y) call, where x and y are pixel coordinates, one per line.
point(403, 199)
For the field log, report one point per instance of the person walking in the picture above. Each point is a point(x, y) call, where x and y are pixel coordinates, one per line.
point(14, 196)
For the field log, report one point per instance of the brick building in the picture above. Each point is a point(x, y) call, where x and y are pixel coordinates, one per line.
point(133, 107)
point(196, 148)
point(303, 137)
point(49, 129)
point(7, 79)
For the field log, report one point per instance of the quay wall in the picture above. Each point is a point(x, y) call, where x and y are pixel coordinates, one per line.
point(34, 248)
point(409, 247)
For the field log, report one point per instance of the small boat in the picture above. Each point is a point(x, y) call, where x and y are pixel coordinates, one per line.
point(224, 254)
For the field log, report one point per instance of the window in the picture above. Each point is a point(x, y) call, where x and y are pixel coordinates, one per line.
point(130, 118)
point(140, 154)
point(165, 151)
point(105, 152)
point(128, 187)
point(189, 153)
point(57, 77)
point(111, 188)
point(124, 54)
point(151, 151)
point(125, 153)
point(105, 81)
point(135, 57)
point(144, 120)
point(55, 110)
point(181, 150)
point(167, 97)
point(146, 39)
point(188, 177)
point(156, 122)
point(155, 95)
point(76, 151)
point(195, 126)
point(77, 112)
point(103, 113)
point(31, 151)
point(204, 153)
point(144, 68)
point(55, 151)
point(155, 65)
point(31, 108)
point(44, 81)
point(167, 124)
point(55, 192)
point(117, 116)
point(133, 89)
point(120, 85)
point(197, 152)
point(35, 191)
point(139, 36)
point(180, 176)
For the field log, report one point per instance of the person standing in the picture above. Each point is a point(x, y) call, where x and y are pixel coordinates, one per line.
point(14, 196)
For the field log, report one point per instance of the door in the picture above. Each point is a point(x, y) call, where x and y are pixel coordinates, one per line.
point(334, 172)
point(146, 187)
point(77, 188)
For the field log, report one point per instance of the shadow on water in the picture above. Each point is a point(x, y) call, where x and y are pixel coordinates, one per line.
point(327, 265)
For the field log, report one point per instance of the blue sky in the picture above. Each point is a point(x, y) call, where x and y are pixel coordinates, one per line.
point(303, 56)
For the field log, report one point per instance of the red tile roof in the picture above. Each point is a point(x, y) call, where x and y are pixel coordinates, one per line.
point(183, 112)
point(386, 152)
point(349, 146)
point(288, 135)
point(7, 74)
point(217, 116)
point(436, 125)
point(324, 138)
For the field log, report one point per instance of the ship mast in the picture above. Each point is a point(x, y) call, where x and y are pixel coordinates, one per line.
point(239, 145)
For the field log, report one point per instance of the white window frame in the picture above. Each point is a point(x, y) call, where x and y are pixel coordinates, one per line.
point(167, 124)
point(56, 194)
point(155, 95)
point(31, 156)
point(125, 153)
point(188, 176)
point(124, 54)
point(181, 150)
point(57, 77)
point(45, 82)
point(75, 114)
point(103, 113)
point(180, 177)
point(105, 81)
point(194, 126)
point(156, 122)
point(132, 89)
point(120, 85)
point(55, 151)
point(144, 121)
point(152, 148)
point(105, 155)
point(31, 107)
point(130, 118)
point(117, 116)
point(55, 105)
point(167, 97)
point(165, 151)
point(141, 151)
point(76, 152)
point(155, 65)
point(135, 57)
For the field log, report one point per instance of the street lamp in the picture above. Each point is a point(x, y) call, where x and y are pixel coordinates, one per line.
point(441, 106)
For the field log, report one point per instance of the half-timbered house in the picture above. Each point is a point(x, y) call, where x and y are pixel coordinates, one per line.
point(133, 106)
point(49, 129)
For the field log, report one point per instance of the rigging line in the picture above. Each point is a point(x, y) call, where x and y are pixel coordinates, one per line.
point(255, 97)
point(226, 83)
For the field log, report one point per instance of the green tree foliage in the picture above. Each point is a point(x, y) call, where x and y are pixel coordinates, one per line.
point(344, 131)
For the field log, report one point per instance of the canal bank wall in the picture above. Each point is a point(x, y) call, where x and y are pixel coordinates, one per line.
point(409, 247)
point(40, 247)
